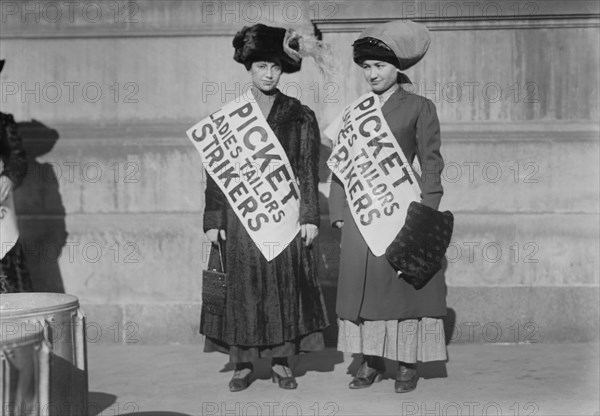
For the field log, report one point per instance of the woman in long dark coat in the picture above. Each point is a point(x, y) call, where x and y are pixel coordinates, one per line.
point(273, 309)
point(380, 314)
point(14, 275)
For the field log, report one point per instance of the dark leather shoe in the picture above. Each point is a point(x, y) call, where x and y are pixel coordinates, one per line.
point(239, 383)
point(288, 382)
point(364, 378)
point(406, 378)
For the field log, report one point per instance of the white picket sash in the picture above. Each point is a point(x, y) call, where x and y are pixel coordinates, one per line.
point(244, 157)
point(378, 179)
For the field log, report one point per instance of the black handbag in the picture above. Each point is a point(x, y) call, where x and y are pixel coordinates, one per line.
point(420, 246)
point(214, 284)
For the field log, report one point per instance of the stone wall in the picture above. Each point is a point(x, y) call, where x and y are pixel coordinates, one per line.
point(112, 208)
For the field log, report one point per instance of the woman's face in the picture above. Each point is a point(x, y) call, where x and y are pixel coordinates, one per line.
point(380, 75)
point(265, 75)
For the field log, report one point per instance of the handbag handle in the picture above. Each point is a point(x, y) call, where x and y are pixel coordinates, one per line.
point(221, 257)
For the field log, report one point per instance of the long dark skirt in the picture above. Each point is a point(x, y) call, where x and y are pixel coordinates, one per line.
point(243, 354)
point(273, 309)
point(14, 274)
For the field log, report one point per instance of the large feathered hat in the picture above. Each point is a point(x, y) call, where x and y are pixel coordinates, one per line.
point(402, 43)
point(261, 42)
point(267, 43)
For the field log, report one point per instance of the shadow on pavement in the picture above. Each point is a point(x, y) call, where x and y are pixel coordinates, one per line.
point(98, 402)
point(319, 361)
point(432, 369)
point(106, 404)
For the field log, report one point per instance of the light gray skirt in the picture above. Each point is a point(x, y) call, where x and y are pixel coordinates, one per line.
point(408, 340)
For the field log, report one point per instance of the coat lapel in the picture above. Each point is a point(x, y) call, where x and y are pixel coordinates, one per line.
point(284, 109)
point(393, 103)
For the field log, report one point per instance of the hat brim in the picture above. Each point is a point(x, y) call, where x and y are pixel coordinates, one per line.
point(371, 49)
point(263, 43)
point(408, 40)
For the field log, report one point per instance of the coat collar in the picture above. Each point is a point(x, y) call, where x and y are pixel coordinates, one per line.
point(284, 109)
point(393, 102)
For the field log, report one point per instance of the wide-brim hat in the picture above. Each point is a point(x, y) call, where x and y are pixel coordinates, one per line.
point(400, 42)
point(419, 248)
point(262, 42)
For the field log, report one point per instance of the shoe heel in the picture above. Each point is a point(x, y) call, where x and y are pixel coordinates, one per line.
point(274, 377)
point(378, 377)
point(287, 383)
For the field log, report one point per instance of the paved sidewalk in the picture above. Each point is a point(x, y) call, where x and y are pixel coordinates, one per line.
point(478, 379)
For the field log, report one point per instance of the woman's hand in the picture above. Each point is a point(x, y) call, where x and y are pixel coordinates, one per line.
point(309, 232)
point(338, 224)
point(213, 235)
point(6, 185)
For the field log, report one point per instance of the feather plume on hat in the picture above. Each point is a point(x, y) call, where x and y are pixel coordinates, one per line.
point(261, 42)
point(310, 46)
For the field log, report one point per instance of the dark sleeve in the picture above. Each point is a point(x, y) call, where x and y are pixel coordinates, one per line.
point(430, 158)
point(309, 169)
point(13, 154)
point(215, 210)
point(337, 200)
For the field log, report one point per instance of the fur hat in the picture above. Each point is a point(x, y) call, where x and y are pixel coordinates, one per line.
point(402, 43)
point(261, 42)
point(420, 246)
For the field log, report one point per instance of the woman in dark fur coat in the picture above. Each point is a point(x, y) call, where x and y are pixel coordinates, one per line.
point(273, 309)
point(14, 275)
